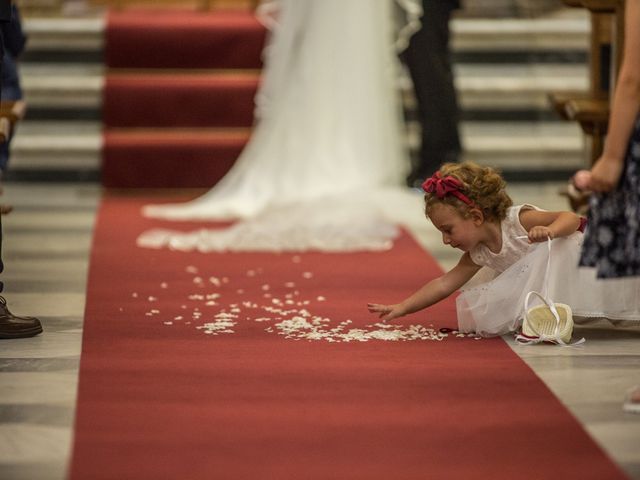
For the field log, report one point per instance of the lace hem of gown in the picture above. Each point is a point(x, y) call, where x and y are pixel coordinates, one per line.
point(350, 223)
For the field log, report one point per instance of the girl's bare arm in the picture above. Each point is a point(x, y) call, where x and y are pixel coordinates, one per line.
point(434, 291)
point(542, 225)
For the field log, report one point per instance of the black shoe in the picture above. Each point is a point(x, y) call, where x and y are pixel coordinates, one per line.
point(17, 327)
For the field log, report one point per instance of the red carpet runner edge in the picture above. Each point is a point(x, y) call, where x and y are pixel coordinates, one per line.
point(172, 387)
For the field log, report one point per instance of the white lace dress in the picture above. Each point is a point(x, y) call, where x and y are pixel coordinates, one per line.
point(496, 306)
point(329, 131)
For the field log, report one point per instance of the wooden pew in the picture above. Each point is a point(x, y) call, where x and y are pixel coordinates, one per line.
point(591, 108)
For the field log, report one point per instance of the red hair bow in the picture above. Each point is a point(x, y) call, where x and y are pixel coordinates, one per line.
point(445, 186)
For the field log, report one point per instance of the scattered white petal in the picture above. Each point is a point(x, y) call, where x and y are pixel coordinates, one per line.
point(307, 275)
point(321, 298)
point(152, 299)
point(191, 269)
point(222, 324)
point(318, 328)
point(134, 295)
point(164, 285)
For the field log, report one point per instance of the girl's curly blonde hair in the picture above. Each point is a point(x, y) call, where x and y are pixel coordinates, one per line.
point(484, 186)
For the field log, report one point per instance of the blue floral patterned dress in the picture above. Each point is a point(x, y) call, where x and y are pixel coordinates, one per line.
point(612, 239)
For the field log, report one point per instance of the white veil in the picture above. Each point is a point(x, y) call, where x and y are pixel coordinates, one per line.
point(328, 143)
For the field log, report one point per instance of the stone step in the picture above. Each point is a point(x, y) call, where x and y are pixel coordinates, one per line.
point(68, 146)
point(566, 31)
point(70, 86)
point(480, 86)
point(56, 146)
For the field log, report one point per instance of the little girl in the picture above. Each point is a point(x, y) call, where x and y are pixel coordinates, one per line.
point(469, 205)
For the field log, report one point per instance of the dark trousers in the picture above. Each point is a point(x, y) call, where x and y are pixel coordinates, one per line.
point(429, 62)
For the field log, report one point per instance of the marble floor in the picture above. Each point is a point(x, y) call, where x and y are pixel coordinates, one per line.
point(46, 248)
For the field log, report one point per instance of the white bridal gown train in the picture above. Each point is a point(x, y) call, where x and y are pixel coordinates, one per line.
point(328, 140)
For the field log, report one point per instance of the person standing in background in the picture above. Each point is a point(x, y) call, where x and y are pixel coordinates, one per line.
point(428, 59)
point(11, 326)
point(612, 238)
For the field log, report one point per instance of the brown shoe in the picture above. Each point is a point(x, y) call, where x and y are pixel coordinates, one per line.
point(17, 327)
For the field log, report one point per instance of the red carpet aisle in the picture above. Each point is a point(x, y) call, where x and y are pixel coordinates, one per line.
point(176, 75)
point(267, 366)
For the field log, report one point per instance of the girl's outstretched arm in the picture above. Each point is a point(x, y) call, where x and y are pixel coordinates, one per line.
point(434, 291)
point(542, 225)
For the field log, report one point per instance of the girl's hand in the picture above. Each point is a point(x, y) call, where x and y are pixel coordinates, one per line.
point(540, 234)
point(386, 312)
point(605, 174)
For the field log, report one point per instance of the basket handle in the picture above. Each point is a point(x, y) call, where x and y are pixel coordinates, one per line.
point(551, 306)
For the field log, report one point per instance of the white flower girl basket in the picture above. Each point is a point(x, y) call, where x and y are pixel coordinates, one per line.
point(547, 322)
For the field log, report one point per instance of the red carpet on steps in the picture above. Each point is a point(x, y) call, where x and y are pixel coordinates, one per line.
point(183, 39)
point(180, 158)
point(159, 398)
point(171, 70)
point(179, 100)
